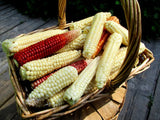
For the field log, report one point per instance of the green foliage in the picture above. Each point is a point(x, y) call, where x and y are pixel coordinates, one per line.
point(79, 9)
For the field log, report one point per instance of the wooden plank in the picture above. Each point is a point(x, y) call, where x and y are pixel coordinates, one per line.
point(28, 26)
point(140, 89)
point(52, 22)
point(4, 6)
point(155, 102)
point(85, 113)
point(155, 109)
point(9, 14)
point(6, 88)
point(5, 84)
point(8, 110)
point(6, 10)
point(6, 25)
point(106, 108)
point(119, 95)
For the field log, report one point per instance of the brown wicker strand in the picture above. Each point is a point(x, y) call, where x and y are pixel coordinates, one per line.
point(134, 41)
point(62, 13)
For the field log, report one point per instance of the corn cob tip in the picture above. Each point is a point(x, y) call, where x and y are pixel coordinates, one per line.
point(22, 73)
point(6, 45)
point(77, 32)
point(88, 61)
point(34, 103)
point(69, 100)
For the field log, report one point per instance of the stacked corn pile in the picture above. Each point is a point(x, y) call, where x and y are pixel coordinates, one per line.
point(63, 65)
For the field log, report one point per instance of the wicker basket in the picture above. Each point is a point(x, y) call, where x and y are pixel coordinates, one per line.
point(133, 18)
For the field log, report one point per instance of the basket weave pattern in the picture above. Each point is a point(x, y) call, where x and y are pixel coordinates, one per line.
point(133, 18)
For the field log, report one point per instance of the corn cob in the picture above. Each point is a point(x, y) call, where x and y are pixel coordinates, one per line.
point(54, 84)
point(76, 90)
point(56, 100)
point(85, 22)
point(112, 27)
point(94, 35)
point(36, 69)
point(113, 18)
point(104, 36)
point(118, 61)
point(45, 48)
point(86, 30)
point(18, 43)
point(74, 45)
point(91, 87)
point(104, 68)
point(79, 65)
point(39, 81)
point(102, 41)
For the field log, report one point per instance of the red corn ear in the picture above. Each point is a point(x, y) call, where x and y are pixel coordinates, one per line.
point(46, 47)
point(79, 65)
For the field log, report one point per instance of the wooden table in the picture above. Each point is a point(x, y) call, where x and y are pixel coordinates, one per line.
point(142, 98)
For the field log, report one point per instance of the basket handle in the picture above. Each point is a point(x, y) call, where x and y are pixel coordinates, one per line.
point(133, 18)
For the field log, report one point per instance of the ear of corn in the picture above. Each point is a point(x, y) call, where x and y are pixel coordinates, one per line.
point(91, 87)
point(76, 90)
point(102, 41)
point(76, 44)
point(79, 65)
point(54, 84)
point(18, 43)
point(86, 30)
point(113, 18)
point(36, 69)
point(112, 27)
point(118, 61)
point(105, 65)
point(85, 22)
point(94, 35)
point(39, 81)
point(46, 47)
point(56, 100)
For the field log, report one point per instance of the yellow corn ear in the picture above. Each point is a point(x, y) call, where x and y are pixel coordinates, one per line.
point(86, 30)
point(76, 90)
point(81, 24)
point(56, 100)
point(21, 42)
point(94, 35)
point(106, 62)
point(118, 61)
point(112, 27)
point(91, 87)
point(38, 68)
point(76, 44)
point(54, 84)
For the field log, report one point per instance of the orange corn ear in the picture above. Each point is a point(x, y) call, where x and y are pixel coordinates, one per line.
point(104, 36)
point(79, 65)
point(103, 39)
point(45, 48)
point(113, 18)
